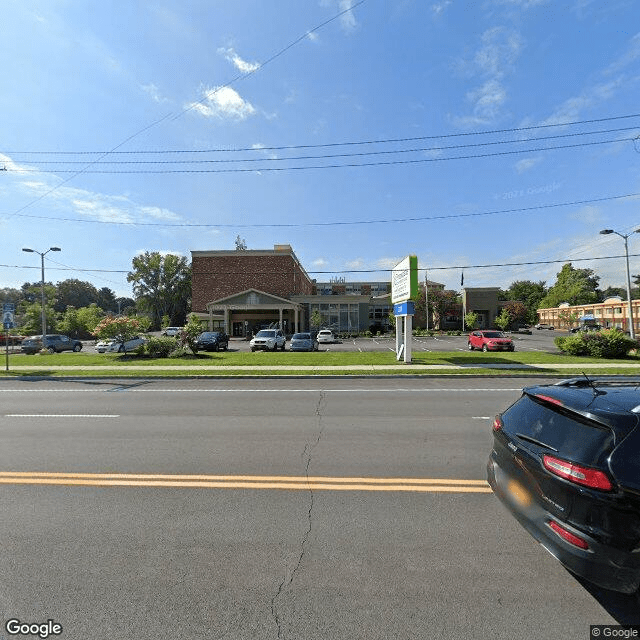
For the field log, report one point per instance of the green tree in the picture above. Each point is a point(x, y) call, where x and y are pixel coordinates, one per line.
point(316, 319)
point(575, 286)
point(470, 320)
point(30, 308)
point(162, 286)
point(107, 300)
point(611, 292)
point(189, 335)
point(74, 293)
point(503, 320)
point(518, 312)
point(528, 293)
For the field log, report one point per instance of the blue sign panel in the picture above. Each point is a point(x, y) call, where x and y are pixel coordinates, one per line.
point(404, 309)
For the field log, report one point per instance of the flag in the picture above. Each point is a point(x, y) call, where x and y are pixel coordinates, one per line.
point(462, 278)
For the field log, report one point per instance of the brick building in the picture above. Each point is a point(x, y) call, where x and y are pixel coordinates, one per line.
point(241, 291)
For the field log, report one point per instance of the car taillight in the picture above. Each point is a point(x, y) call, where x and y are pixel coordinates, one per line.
point(497, 423)
point(548, 399)
point(585, 476)
point(572, 538)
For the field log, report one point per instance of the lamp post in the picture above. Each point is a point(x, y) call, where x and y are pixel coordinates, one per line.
point(42, 254)
point(625, 236)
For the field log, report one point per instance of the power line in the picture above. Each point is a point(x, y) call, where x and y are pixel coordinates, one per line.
point(338, 155)
point(340, 223)
point(442, 136)
point(264, 169)
point(341, 271)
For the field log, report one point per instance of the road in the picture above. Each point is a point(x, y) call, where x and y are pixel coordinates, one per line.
point(244, 508)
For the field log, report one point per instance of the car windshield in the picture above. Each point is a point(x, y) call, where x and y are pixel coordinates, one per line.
point(209, 334)
point(266, 334)
point(302, 336)
point(493, 334)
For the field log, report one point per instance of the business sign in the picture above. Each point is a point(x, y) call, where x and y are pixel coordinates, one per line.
point(8, 310)
point(404, 309)
point(404, 280)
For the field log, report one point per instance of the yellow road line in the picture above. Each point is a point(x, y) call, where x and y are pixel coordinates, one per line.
point(431, 485)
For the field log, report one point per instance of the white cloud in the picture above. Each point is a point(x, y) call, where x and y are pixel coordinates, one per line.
point(348, 20)
point(527, 163)
point(151, 90)
point(320, 262)
point(241, 65)
point(439, 7)
point(493, 61)
point(222, 102)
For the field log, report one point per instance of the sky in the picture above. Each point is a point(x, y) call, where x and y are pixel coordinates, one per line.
point(494, 138)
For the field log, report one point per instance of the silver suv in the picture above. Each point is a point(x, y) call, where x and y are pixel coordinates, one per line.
point(54, 343)
point(268, 340)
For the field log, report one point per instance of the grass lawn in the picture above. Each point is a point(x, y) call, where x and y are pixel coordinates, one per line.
point(263, 363)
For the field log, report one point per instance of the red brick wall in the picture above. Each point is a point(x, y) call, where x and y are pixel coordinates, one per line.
point(216, 277)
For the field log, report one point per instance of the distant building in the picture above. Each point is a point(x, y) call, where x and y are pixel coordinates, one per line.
point(613, 312)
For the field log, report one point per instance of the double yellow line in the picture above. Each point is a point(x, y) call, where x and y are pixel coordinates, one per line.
point(300, 483)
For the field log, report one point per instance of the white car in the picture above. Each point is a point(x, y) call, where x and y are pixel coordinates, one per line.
point(129, 345)
point(103, 345)
point(325, 336)
point(268, 340)
point(172, 331)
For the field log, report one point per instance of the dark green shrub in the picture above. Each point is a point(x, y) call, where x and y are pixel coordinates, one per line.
point(610, 343)
point(159, 347)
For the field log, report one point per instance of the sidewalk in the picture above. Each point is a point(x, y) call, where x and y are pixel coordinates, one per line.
point(390, 368)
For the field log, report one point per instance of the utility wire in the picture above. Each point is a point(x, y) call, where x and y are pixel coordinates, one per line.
point(379, 270)
point(264, 169)
point(442, 136)
point(337, 155)
point(339, 223)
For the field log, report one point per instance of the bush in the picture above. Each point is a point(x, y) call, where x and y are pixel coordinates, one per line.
point(610, 343)
point(159, 347)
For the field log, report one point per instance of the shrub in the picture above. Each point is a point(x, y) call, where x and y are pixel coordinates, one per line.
point(610, 343)
point(159, 347)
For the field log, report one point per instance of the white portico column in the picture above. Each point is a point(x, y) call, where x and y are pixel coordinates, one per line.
point(280, 320)
point(226, 320)
point(296, 315)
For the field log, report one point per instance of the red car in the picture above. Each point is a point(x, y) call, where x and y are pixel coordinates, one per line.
point(490, 341)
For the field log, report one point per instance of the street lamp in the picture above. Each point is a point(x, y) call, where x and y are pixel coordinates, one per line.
point(44, 315)
point(624, 236)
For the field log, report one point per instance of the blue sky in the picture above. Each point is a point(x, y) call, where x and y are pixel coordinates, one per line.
point(217, 119)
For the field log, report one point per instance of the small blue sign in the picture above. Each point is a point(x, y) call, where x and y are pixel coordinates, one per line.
point(404, 308)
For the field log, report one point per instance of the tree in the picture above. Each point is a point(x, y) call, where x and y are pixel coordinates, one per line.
point(162, 286)
point(611, 292)
point(440, 302)
point(189, 335)
point(107, 299)
point(528, 293)
point(120, 328)
point(470, 320)
point(504, 319)
point(241, 244)
point(518, 312)
point(575, 286)
point(75, 293)
point(316, 318)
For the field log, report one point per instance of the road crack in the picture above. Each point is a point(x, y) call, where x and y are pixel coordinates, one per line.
point(307, 456)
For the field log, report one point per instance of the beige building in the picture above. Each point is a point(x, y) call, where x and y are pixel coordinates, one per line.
point(613, 312)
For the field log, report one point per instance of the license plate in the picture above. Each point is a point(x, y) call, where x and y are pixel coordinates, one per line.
point(519, 493)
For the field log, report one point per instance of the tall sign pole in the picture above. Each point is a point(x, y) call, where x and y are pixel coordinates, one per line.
point(404, 288)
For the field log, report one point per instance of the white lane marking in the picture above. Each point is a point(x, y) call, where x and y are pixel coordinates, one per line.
point(481, 418)
point(270, 391)
point(61, 415)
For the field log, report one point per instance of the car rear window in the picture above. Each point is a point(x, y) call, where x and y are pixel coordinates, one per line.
point(302, 336)
point(569, 434)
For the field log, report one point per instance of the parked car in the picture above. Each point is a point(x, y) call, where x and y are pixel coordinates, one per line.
point(53, 343)
point(172, 331)
point(303, 342)
point(122, 346)
point(490, 341)
point(566, 463)
point(268, 340)
point(103, 345)
point(212, 341)
point(325, 336)
point(545, 326)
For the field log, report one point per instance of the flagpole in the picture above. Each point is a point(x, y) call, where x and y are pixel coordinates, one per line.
point(426, 297)
point(464, 310)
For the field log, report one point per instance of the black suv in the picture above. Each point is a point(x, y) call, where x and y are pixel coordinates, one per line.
point(53, 343)
point(566, 463)
point(212, 341)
